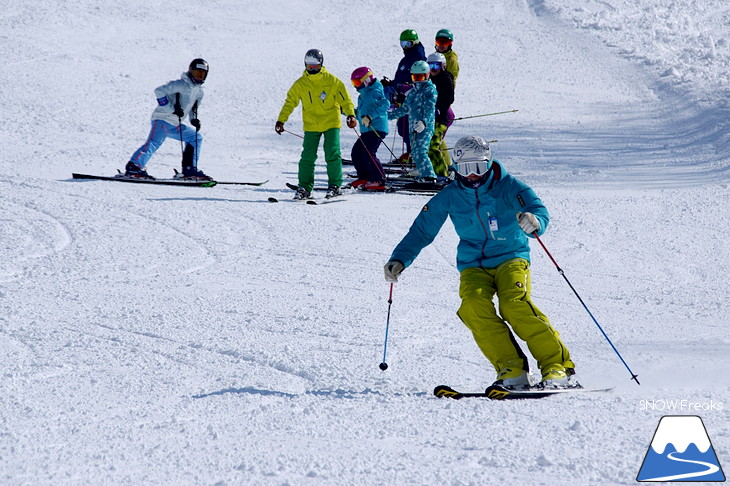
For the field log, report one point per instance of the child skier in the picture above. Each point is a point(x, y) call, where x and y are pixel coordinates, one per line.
point(444, 45)
point(493, 213)
point(420, 106)
point(372, 110)
point(444, 82)
point(397, 88)
point(175, 100)
point(323, 97)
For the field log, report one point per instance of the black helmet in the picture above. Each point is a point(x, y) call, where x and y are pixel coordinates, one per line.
point(198, 70)
point(311, 58)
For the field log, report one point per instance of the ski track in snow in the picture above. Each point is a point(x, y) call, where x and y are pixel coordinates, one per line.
point(163, 335)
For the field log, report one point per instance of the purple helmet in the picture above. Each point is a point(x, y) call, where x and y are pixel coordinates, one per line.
point(362, 76)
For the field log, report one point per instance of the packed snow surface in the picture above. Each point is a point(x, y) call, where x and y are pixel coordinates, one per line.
point(170, 335)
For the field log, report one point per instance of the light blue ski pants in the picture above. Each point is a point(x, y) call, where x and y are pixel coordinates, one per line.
point(158, 133)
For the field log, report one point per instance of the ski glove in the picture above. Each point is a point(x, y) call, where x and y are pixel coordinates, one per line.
point(528, 222)
point(351, 122)
point(385, 81)
point(279, 127)
point(366, 121)
point(392, 270)
point(178, 111)
point(419, 126)
point(196, 123)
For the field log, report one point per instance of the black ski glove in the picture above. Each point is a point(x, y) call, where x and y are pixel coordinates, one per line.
point(196, 123)
point(178, 111)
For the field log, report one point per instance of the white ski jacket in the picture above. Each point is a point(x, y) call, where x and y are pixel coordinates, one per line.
point(166, 95)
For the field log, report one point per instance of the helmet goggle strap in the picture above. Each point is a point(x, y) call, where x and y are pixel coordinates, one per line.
point(435, 66)
point(419, 77)
point(406, 44)
point(443, 42)
point(473, 167)
point(359, 82)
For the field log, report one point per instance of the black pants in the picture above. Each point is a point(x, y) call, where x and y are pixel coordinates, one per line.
point(365, 156)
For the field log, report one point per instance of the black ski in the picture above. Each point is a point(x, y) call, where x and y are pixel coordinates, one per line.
point(236, 182)
point(500, 393)
point(165, 182)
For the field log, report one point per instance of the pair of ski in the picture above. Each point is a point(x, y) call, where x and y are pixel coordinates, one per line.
point(311, 201)
point(166, 182)
point(496, 392)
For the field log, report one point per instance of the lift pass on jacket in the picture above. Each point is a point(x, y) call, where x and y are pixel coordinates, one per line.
point(493, 226)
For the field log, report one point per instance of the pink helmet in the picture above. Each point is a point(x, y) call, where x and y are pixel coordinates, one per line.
point(362, 76)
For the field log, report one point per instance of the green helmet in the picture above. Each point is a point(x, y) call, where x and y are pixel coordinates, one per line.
point(420, 67)
point(445, 33)
point(409, 35)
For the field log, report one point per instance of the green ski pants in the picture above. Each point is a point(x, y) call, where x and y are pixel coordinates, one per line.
point(511, 283)
point(332, 156)
point(438, 152)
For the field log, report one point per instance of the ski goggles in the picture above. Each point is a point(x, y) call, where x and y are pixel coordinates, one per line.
point(435, 66)
point(313, 67)
point(419, 77)
point(359, 82)
point(443, 42)
point(406, 44)
point(475, 167)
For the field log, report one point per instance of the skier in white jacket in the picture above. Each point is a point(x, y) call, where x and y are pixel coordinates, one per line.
point(175, 100)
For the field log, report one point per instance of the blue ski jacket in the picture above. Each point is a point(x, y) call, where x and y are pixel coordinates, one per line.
point(403, 73)
point(372, 102)
point(485, 219)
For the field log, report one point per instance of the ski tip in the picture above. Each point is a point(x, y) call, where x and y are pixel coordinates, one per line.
point(443, 391)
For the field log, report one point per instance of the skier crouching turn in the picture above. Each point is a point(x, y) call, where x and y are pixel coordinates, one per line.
point(493, 213)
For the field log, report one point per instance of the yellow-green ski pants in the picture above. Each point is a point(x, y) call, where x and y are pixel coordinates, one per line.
point(511, 283)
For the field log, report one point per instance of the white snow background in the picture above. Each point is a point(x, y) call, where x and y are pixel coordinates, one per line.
point(165, 335)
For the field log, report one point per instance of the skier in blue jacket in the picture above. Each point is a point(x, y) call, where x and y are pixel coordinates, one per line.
point(420, 107)
point(493, 213)
point(372, 111)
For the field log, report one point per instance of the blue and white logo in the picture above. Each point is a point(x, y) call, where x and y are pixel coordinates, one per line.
point(681, 451)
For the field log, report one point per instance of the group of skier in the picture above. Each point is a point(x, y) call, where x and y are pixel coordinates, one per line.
point(421, 107)
point(493, 213)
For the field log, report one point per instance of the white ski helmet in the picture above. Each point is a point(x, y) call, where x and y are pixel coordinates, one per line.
point(472, 156)
point(435, 58)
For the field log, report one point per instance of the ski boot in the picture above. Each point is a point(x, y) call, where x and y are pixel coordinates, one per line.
point(133, 170)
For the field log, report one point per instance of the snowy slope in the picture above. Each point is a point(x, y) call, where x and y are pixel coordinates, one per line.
point(161, 335)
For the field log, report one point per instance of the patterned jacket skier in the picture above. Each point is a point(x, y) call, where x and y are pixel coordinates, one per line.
point(323, 97)
point(420, 105)
point(484, 218)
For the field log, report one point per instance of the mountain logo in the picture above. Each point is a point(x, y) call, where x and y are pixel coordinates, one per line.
point(681, 451)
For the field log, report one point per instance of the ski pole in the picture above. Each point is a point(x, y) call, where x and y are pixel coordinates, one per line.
point(486, 114)
point(384, 144)
point(295, 134)
point(179, 124)
point(375, 164)
point(197, 129)
point(560, 271)
point(384, 366)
